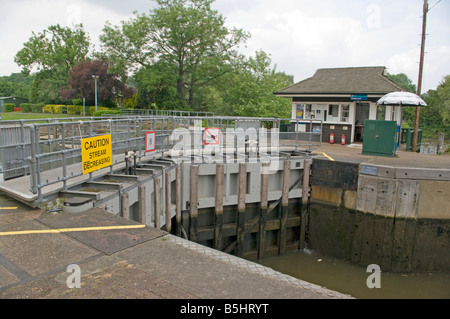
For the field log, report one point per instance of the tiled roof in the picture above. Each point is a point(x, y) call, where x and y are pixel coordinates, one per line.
point(355, 80)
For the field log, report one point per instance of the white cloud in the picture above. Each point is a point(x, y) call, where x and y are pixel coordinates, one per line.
point(26, 16)
point(405, 62)
point(301, 36)
point(437, 66)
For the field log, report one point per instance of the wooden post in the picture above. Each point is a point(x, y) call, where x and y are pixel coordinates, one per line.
point(142, 205)
point(440, 143)
point(263, 209)
point(305, 201)
point(419, 82)
point(284, 205)
point(218, 227)
point(242, 180)
point(157, 193)
point(178, 199)
point(125, 198)
point(168, 204)
point(193, 234)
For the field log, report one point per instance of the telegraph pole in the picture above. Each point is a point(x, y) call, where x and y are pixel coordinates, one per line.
point(419, 82)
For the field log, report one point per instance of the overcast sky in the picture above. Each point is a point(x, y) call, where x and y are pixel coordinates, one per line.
point(301, 36)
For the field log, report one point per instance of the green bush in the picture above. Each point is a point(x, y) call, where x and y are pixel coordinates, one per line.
point(61, 109)
point(9, 107)
point(53, 108)
point(37, 108)
point(99, 108)
point(432, 131)
point(107, 112)
point(77, 102)
point(26, 107)
point(75, 109)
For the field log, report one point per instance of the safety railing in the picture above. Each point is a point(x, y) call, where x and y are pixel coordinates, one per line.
point(15, 144)
point(261, 132)
point(54, 145)
point(153, 113)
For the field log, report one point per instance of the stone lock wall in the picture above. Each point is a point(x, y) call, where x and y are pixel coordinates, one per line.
point(398, 218)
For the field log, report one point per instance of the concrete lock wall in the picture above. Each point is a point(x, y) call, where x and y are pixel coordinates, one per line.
point(398, 218)
point(140, 197)
point(191, 200)
point(221, 206)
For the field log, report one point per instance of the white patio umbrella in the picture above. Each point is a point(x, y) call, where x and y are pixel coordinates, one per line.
point(402, 99)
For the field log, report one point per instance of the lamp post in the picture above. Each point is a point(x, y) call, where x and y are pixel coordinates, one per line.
point(95, 77)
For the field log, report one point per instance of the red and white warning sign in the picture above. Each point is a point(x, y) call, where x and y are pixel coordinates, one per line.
point(212, 136)
point(150, 142)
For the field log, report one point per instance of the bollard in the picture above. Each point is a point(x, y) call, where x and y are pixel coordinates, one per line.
point(440, 144)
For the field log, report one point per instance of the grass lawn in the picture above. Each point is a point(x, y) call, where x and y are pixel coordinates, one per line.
point(14, 116)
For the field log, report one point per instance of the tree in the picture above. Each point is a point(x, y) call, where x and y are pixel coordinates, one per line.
point(405, 82)
point(17, 84)
point(109, 86)
point(46, 85)
point(188, 36)
point(249, 91)
point(156, 89)
point(52, 53)
point(435, 117)
point(437, 112)
point(443, 92)
point(54, 48)
point(128, 47)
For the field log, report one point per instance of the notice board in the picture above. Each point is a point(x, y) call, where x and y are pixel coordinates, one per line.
point(96, 153)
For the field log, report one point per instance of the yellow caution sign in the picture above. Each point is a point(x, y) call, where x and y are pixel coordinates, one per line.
point(96, 153)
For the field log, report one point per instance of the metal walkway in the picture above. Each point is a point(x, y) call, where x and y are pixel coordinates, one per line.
point(40, 159)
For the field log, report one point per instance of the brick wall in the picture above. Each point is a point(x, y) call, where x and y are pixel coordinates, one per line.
point(327, 129)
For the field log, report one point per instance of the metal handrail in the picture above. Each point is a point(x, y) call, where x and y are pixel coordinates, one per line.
point(55, 143)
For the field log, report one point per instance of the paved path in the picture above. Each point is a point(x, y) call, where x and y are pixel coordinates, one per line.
point(353, 153)
point(128, 263)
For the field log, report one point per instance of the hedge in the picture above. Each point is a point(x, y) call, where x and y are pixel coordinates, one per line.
point(9, 107)
point(75, 109)
point(26, 107)
point(99, 108)
point(107, 112)
point(58, 109)
point(31, 107)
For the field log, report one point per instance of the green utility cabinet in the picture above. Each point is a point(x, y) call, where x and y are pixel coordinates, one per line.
point(410, 137)
point(380, 138)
